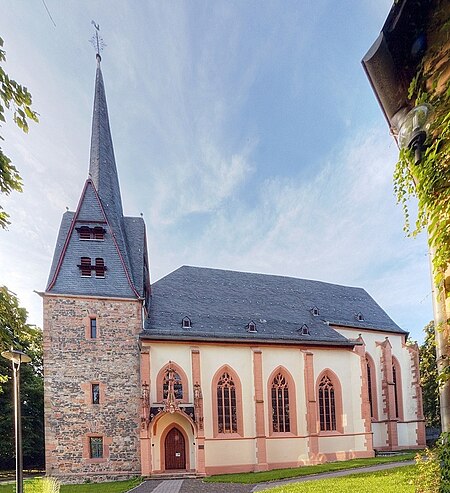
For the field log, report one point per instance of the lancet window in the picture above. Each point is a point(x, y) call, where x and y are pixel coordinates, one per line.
point(280, 404)
point(327, 405)
point(226, 404)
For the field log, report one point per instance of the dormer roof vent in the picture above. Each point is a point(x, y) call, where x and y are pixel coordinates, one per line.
point(360, 317)
point(315, 311)
point(186, 323)
point(251, 326)
point(304, 330)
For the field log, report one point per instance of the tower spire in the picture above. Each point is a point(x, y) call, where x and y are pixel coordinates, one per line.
point(116, 266)
point(102, 166)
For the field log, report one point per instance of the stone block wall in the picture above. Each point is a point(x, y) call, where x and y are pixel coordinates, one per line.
point(72, 363)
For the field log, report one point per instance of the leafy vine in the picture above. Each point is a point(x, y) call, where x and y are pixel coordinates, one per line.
point(429, 181)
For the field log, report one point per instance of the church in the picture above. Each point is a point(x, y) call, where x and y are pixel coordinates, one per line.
point(207, 371)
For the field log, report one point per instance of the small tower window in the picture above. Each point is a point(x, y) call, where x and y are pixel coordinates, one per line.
point(84, 232)
point(315, 311)
point(251, 326)
point(93, 328)
point(85, 267)
point(99, 267)
point(96, 447)
point(87, 233)
point(186, 323)
point(95, 391)
point(304, 330)
point(98, 233)
point(360, 317)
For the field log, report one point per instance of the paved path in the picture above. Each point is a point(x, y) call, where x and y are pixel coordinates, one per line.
point(198, 486)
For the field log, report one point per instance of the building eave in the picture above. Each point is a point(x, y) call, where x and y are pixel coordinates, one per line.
point(143, 336)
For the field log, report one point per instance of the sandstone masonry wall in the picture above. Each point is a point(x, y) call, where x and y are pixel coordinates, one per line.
point(72, 362)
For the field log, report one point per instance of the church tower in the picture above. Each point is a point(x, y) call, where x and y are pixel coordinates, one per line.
point(94, 305)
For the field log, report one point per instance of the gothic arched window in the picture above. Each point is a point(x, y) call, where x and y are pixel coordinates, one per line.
point(371, 386)
point(226, 405)
point(280, 404)
point(327, 404)
point(177, 385)
point(227, 402)
point(398, 395)
point(180, 383)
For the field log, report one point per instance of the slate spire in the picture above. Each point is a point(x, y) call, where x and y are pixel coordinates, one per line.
point(122, 249)
point(102, 167)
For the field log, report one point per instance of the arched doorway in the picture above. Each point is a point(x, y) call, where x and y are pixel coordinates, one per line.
point(174, 450)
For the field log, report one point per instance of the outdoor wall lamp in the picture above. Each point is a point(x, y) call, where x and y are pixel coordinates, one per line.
point(413, 130)
point(17, 358)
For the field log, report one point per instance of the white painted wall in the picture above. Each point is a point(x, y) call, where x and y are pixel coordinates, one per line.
point(343, 444)
point(403, 356)
point(287, 450)
point(292, 360)
point(343, 362)
point(222, 452)
point(407, 434)
point(346, 365)
point(379, 435)
point(240, 359)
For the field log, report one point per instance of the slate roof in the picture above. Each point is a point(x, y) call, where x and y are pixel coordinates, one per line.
point(65, 276)
point(135, 237)
point(220, 304)
point(124, 246)
point(64, 228)
point(103, 169)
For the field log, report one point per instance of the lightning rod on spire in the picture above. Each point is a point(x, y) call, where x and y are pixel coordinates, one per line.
point(97, 41)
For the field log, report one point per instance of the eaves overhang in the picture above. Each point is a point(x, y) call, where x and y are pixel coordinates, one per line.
point(337, 324)
point(393, 59)
point(252, 341)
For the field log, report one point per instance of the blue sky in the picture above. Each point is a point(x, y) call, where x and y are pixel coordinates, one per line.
point(245, 132)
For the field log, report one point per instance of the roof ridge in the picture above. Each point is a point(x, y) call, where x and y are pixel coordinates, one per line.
point(281, 276)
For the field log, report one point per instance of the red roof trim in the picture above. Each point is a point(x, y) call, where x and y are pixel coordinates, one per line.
point(69, 235)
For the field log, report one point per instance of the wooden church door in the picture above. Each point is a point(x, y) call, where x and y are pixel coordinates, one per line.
point(175, 450)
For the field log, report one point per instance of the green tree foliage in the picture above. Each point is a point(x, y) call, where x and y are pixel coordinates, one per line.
point(16, 98)
point(428, 472)
point(444, 460)
point(429, 181)
point(15, 332)
point(429, 377)
point(433, 467)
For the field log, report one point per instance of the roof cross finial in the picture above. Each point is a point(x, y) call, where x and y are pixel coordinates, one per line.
point(97, 41)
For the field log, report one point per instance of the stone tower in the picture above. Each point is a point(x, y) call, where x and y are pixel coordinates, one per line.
point(94, 305)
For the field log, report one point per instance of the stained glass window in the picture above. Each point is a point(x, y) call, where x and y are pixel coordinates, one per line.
point(226, 404)
point(280, 404)
point(177, 385)
point(327, 405)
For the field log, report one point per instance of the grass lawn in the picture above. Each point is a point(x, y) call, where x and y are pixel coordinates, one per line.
point(276, 474)
point(399, 480)
point(115, 487)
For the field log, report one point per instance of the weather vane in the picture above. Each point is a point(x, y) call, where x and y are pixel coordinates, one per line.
point(96, 40)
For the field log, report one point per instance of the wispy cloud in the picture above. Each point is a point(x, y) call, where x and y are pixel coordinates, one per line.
point(341, 226)
point(223, 116)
